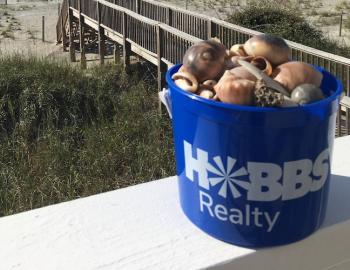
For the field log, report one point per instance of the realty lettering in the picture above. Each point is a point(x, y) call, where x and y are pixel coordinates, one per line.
point(248, 216)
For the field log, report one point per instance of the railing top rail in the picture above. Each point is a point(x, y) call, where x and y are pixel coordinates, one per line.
point(129, 12)
point(150, 21)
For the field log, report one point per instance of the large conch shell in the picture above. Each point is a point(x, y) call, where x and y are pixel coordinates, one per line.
point(235, 91)
point(186, 81)
point(274, 49)
point(293, 74)
point(205, 60)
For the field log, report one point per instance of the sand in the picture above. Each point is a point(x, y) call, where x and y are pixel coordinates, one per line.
point(21, 29)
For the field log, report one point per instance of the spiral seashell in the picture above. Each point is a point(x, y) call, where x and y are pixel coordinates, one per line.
point(237, 50)
point(186, 81)
point(263, 64)
point(274, 49)
point(235, 91)
point(293, 74)
point(205, 60)
point(306, 93)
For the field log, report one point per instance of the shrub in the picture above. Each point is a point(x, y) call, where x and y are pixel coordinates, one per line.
point(287, 23)
point(66, 134)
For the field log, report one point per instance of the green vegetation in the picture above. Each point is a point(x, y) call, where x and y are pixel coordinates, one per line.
point(273, 18)
point(66, 134)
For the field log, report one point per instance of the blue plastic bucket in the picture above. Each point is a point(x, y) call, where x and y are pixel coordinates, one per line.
point(253, 176)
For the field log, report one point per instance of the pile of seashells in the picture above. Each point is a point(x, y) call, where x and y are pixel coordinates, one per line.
point(256, 73)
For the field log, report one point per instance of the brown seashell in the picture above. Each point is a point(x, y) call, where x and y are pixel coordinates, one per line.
point(186, 81)
point(237, 50)
point(274, 49)
point(235, 91)
point(293, 74)
point(263, 64)
point(205, 60)
point(242, 73)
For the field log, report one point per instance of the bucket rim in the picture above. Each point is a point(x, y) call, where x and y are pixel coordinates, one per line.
point(214, 103)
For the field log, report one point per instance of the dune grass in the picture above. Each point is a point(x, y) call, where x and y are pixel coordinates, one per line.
point(66, 134)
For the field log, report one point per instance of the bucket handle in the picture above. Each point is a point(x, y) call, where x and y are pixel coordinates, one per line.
point(164, 97)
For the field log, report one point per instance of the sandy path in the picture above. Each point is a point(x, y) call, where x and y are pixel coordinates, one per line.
point(22, 23)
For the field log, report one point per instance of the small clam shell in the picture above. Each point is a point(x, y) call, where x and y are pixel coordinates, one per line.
point(306, 93)
point(274, 49)
point(186, 81)
point(206, 93)
point(235, 91)
point(263, 64)
point(293, 74)
point(237, 50)
point(209, 84)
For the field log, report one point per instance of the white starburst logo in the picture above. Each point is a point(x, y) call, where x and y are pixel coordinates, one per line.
point(227, 177)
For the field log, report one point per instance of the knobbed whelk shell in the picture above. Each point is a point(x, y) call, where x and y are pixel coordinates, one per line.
point(306, 93)
point(186, 81)
point(274, 49)
point(293, 74)
point(235, 91)
point(205, 60)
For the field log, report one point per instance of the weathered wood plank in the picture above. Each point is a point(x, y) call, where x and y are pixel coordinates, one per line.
point(82, 38)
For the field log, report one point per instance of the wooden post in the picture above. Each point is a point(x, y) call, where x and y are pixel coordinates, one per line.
point(43, 28)
point(341, 23)
point(116, 54)
point(63, 32)
point(82, 39)
point(71, 38)
point(101, 37)
point(138, 6)
point(59, 9)
point(210, 29)
point(126, 44)
point(161, 66)
point(186, 4)
point(169, 16)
